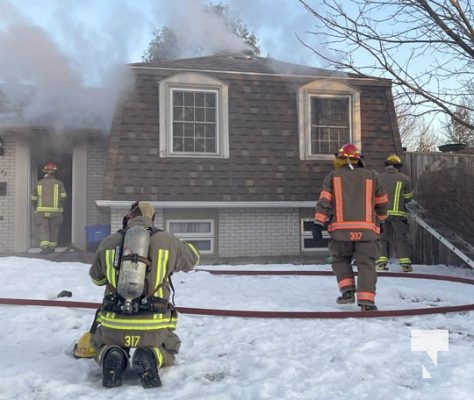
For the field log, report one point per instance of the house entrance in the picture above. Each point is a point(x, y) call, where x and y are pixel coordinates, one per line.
point(39, 157)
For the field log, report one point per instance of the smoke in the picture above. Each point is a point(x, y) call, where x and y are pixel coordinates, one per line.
point(75, 87)
point(67, 69)
point(199, 32)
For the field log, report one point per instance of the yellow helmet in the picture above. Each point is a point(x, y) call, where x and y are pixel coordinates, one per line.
point(393, 159)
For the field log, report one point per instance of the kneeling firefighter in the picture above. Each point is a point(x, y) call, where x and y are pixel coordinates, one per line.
point(136, 264)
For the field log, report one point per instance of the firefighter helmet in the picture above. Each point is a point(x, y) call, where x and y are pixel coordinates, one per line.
point(394, 160)
point(348, 151)
point(50, 167)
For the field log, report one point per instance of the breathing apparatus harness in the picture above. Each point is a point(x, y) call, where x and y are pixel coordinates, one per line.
point(116, 302)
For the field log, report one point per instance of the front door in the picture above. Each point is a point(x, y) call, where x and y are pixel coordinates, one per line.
point(63, 160)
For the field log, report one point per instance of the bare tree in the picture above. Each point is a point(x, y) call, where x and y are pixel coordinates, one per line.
point(416, 134)
point(460, 133)
point(425, 47)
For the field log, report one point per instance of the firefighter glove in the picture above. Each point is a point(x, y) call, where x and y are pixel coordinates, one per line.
point(318, 231)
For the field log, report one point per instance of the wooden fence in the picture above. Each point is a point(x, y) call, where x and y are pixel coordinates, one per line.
point(444, 186)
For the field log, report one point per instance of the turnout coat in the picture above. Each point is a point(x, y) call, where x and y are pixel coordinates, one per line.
point(352, 204)
point(167, 254)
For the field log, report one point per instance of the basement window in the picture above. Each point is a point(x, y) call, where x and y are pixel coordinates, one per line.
point(200, 233)
point(328, 117)
point(193, 117)
point(307, 241)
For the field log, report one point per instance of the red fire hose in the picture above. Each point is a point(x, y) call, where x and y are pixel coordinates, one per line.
point(282, 314)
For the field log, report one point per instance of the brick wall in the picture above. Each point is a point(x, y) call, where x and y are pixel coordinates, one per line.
point(7, 202)
point(259, 232)
point(96, 160)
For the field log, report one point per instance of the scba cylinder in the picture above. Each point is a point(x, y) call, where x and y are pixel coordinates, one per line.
point(133, 267)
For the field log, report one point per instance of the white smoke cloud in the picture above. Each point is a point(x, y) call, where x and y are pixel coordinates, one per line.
point(75, 88)
point(67, 68)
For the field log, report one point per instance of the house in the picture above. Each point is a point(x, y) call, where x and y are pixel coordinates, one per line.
point(230, 149)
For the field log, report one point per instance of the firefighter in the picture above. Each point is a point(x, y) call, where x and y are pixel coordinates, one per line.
point(352, 206)
point(135, 264)
point(394, 238)
point(48, 199)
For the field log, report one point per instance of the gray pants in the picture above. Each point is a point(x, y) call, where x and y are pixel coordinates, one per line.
point(364, 254)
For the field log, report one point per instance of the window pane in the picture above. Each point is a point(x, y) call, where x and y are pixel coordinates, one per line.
point(200, 245)
point(190, 227)
point(178, 98)
point(194, 122)
point(330, 124)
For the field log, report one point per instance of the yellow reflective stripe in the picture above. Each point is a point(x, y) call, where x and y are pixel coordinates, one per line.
point(404, 260)
point(193, 249)
point(161, 269)
point(39, 189)
point(397, 213)
point(49, 209)
point(396, 196)
point(408, 195)
point(111, 321)
point(111, 272)
point(99, 282)
point(159, 356)
point(56, 195)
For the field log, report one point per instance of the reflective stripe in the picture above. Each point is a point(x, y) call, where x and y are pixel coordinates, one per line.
point(320, 217)
point(369, 296)
point(338, 199)
point(159, 356)
point(408, 196)
point(381, 199)
point(325, 195)
point(55, 206)
point(99, 283)
point(397, 213)
point(193, 249)
point(113, 321)
point(396, 196)
point(161, 269)
point(405, 260)
point(353, 225)
point(369, 184)
point(111, 272)
point(346, 282)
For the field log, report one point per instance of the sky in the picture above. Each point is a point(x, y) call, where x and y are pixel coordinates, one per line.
point(56, 53)
point(231, 358)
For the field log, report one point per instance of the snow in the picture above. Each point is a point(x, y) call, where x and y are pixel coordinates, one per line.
point(244, 358)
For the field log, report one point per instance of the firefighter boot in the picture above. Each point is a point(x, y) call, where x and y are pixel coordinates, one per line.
point(144, 363)
point(368, 307)
point(112, 368)
point(347, 297)
point(382, 267)
point(407, 268)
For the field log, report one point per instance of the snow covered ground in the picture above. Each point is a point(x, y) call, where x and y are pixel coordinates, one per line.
point(224, 358)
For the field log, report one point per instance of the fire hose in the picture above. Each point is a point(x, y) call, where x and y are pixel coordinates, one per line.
point(281, 314)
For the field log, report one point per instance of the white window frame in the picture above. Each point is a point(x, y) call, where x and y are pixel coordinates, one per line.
point(210, 236)
point(196, 83)
point(326, 88)
point(308, 234)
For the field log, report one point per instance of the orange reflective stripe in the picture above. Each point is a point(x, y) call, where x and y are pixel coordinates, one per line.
point(338, 198)
point(325, 195)
point(320, 217)
point(369, 184)
point(369, 296)
point(381, 199)
point(353, 225)
point(345, 282)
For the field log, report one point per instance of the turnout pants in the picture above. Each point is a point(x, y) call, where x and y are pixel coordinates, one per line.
point(364, 254)
point(394, 241)
point(48, 229)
